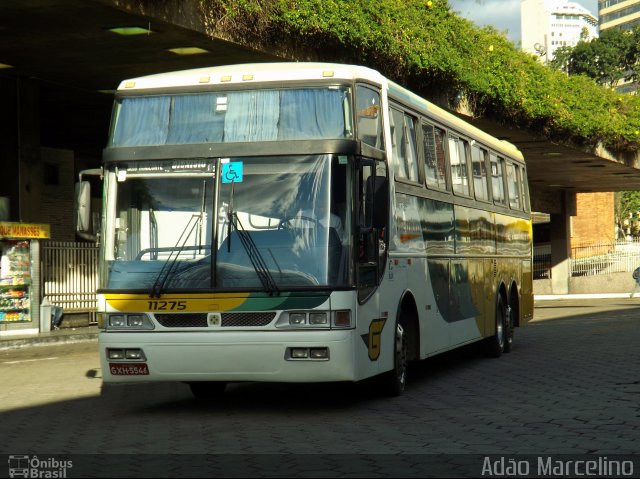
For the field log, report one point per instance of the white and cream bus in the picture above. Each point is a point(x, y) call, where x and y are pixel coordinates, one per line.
point(302, 222)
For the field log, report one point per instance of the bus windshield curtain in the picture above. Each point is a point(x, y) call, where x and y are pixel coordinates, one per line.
point(252, 116)
point(308, 114)
point(194, 120)
point(143, 121)
point(258, 115)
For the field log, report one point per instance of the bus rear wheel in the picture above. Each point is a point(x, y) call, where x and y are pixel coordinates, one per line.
point(495, 345)
point(509, 330)
point(207, 390)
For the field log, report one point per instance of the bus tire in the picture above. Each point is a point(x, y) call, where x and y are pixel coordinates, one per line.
point(207, 390)
point(494, 346)
point(508, 330)
point(394, 382)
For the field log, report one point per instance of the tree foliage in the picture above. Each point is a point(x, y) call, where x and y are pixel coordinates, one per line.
point(627, 206)
point(608, 59)
point(424, 45)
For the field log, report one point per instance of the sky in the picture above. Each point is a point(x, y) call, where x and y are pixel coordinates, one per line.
point(503, 14)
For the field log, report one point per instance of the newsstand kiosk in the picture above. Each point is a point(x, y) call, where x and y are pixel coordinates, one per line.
point(20, 277)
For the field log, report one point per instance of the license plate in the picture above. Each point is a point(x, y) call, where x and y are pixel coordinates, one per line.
point(134, 369)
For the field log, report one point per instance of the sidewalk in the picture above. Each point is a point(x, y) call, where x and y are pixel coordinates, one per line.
point(546, 297)
point(58, 336)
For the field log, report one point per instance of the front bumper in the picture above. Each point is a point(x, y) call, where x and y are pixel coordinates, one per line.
point(231, 356)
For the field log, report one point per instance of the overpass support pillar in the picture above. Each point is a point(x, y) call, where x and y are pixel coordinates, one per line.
point(561, 244)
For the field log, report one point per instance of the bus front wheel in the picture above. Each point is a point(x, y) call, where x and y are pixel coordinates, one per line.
point(394, 381)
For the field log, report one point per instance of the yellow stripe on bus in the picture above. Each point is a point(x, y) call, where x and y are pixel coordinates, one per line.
point(179, 303)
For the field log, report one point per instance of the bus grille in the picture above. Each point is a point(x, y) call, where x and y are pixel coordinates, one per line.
point(177, 320)
point(229, 320)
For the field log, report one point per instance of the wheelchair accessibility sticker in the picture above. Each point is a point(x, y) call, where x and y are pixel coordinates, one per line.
point(232, 172)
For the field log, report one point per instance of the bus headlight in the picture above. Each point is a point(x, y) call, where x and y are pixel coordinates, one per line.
point(304, 319)
point(117, 320)
point(318, 319)
point(297, 319)
point(129, 322)
point(135, 320)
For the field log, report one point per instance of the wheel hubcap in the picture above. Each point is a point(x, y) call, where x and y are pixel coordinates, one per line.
point(401, 355)
point(500, 329)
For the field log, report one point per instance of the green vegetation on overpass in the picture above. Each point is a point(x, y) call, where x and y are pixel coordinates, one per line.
point(429, 48)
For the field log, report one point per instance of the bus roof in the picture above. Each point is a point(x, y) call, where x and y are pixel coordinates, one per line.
point(410, 99)
point(300, 71)
point(252, 72)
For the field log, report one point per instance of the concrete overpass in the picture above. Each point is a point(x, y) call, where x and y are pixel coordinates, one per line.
point(64, 58)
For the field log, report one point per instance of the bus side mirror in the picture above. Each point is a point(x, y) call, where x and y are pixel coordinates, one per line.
point(83, 207)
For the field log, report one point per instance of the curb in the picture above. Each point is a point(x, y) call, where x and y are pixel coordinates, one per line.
point(547, 297)
point(76, 337)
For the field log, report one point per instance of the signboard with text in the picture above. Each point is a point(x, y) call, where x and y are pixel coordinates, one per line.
point(24, 230)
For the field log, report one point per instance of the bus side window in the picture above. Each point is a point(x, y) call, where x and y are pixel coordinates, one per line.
point(513, 186)
point(480, 185)
point(403, 141)
point(497, 180)
point(458, 149)
point(434, 156)
point(525, 189)
point(411, 150)
point(368, 117)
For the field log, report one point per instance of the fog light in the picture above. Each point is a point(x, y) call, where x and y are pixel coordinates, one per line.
point(318, 318)
point(299, 353)
point(115, 353)
point(134, 354)
point(297, 318)
point(319, 353)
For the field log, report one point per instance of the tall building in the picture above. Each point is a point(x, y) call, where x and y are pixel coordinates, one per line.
point(550, 24)
point(622, 14)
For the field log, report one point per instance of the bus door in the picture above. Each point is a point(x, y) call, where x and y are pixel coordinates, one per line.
point(372, 212)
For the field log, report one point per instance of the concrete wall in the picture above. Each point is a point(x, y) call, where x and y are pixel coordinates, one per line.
point(598, 284)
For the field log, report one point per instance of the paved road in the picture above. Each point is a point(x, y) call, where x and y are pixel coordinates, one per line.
point(570, 387)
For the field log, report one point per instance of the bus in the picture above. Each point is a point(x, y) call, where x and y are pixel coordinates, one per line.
point(302, 222)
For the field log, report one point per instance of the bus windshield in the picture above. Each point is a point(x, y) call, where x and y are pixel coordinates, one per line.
point(283, 218)
point(232, 116)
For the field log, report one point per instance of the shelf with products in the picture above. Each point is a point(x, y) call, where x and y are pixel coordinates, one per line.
point(21, 315)
point(15, 281)
point(14, 304)
point(10, 287)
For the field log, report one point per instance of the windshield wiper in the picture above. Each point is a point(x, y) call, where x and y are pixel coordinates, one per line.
point(254, 255)
point(169, 265)
point(250, 247)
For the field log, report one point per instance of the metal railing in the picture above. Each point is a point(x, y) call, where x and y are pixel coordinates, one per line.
point(70, 276)
point(591, 259)
point(605, 258)
point(542, 262)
